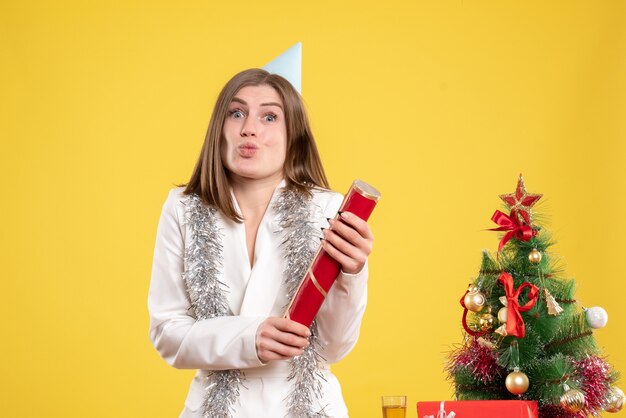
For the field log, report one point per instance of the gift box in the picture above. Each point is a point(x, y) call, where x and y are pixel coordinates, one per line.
point(477, 409)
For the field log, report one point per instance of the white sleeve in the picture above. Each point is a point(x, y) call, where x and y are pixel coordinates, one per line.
point(210, 344)
point(339, 318)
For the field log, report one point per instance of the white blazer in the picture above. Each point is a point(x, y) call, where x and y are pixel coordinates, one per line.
point(254, 294)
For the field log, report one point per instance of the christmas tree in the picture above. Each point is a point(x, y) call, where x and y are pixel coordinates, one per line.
point(527, 337)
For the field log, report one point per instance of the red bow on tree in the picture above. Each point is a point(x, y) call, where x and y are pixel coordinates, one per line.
point(514, 322)
point(516, 229)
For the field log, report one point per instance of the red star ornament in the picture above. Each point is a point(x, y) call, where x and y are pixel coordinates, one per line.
point(520, 202)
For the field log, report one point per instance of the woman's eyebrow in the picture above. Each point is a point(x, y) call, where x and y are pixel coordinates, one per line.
point(272, 104)
point(243, 102)
point(238, 100)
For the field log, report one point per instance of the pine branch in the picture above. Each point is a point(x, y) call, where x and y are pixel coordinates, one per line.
point(556, 381)
point(557, 343)
point(495, 272)
point(472, 388)
point(548, 375)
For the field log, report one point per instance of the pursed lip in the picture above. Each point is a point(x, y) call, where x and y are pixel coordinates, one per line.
point(247, 149)
point(248, 145)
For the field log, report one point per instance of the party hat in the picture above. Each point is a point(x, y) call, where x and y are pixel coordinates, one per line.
point(288, 65)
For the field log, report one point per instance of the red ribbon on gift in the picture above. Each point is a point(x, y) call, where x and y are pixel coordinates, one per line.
point(515, 323)
point(464, 320)
point(517, 230)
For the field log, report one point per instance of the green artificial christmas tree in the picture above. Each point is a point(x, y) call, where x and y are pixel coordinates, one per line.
point(527, 336)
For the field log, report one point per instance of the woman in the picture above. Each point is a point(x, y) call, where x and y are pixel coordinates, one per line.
point(231, 248)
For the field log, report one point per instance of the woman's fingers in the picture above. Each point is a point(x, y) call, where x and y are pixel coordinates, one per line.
point(285, 332)
point(347, 232)
point(280, 338)
point(343, 245)
point(271, 350)
point(287, 325)
point(349, 240)
point(348, 264)
point(357, 232)
point(358, 224)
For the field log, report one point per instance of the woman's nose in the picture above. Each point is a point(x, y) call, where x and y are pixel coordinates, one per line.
point(248, 128)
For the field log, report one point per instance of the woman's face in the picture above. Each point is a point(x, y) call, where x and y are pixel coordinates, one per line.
point(255, 134)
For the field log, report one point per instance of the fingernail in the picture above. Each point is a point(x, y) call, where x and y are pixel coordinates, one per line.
point(344, 215)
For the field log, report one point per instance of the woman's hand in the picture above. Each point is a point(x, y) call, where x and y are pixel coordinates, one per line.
point(280, 339)
point(348, 240)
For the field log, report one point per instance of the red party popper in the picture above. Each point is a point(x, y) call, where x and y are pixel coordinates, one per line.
point(324, 270)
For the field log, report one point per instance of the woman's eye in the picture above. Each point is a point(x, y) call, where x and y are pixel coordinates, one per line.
point(270, 117)
point(237, 114)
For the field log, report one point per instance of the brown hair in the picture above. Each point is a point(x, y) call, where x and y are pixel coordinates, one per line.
point(303, 168)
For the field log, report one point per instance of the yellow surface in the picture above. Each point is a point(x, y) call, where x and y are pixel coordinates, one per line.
point(440, 105)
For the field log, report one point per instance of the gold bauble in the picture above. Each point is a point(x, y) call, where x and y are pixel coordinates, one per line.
point(502, 315)
point(534, 256)
point(517, 382)
point(573, 400)
point(486, 322)
point(474, 300)
point(615, 401)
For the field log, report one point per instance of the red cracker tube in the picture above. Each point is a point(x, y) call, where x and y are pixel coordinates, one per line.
point(323, 271)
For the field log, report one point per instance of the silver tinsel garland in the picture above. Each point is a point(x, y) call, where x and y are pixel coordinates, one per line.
point(203, 261)
point(300, 240)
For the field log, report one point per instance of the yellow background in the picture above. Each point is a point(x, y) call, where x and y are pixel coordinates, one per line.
point(104, 105)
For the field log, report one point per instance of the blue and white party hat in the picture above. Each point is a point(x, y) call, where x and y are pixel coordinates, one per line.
point(288, 65)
